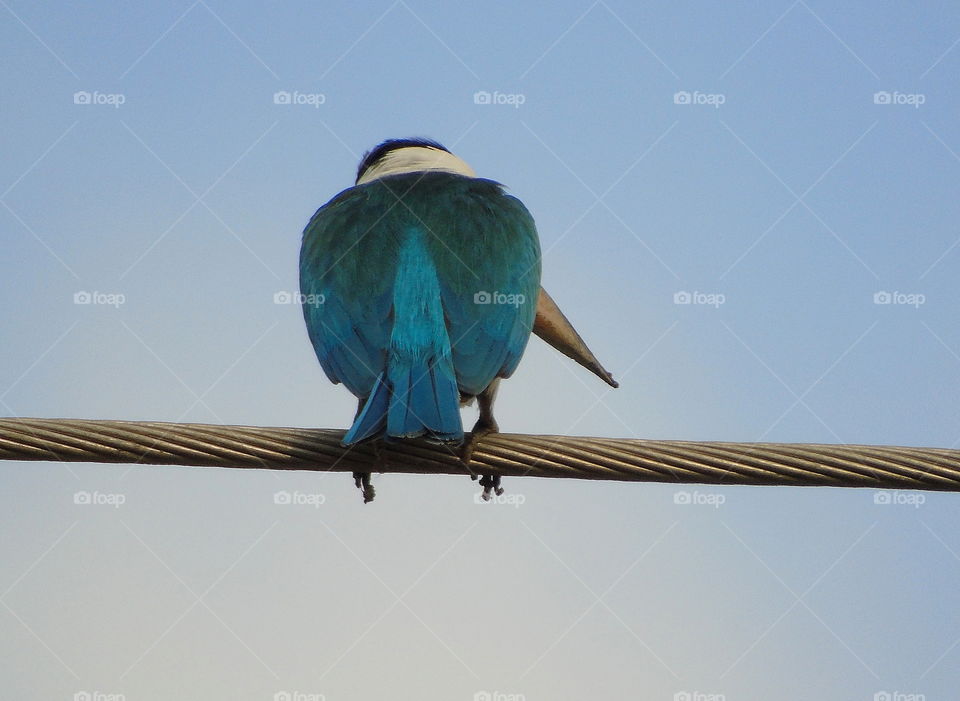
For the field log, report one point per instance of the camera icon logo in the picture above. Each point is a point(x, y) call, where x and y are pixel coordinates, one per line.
point(82, 297)
point(882, 297)
point(882, 97)
point(481, 97)
point(881, 498)
point(482, 297)
point(282, 297)
point(81, 97)
point(281, 97)
point(282, 497)
point(682, 297)
point(681, 497)
point(681, 97)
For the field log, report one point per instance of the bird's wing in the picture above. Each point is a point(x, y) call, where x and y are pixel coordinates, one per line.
point(487, 257)
point(347, 297)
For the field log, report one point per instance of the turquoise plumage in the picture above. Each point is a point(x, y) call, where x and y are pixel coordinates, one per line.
point(419, 289)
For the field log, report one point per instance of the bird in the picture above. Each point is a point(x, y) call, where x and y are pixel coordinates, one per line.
point(429, 279)
point(420, 288)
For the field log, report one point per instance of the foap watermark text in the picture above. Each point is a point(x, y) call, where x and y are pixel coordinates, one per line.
point(84, 97)
point(514, 500)
point(298, 696)
point(511, 299)
point(482, 97)
point(697, 498)
point(898, 696)
point(295, 498)
point(84, 498)
point(698, 696)
point(310, 99)
point(95, 298)
point(684, 97)
point(897, 498)
point(710, 299)
point(897, 298)
point(498, 696)
point(98, 696)
point(884, 97)
point(310, 300)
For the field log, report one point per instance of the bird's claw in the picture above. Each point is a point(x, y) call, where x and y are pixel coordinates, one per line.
point(483, 427)
point(490, 483)
point(362, 481)
point(466, 452)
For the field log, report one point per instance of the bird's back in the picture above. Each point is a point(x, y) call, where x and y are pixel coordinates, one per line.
point(426, 279)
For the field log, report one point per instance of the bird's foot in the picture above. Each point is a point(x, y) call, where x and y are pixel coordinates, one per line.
point(490, 482)
point(362, 481)
point(480, 429)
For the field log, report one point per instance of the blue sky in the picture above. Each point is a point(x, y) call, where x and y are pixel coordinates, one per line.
point(789, 168)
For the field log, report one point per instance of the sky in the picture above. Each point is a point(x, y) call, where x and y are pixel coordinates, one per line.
point(749, 212)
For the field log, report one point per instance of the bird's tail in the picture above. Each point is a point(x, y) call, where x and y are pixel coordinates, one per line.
point(417, 393)
point(412, 398)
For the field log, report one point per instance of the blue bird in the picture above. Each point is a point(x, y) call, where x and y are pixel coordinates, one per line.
point(420, 286)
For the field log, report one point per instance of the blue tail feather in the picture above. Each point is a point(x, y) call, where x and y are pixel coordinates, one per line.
point(420, 399)
point(417, 393)
point(372, 420)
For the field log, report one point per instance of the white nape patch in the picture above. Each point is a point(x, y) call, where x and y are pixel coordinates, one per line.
point(416, 159)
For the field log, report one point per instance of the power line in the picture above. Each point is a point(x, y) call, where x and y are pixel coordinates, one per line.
point(206, 445)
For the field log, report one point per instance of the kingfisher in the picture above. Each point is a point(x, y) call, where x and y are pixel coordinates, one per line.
point(420, 287)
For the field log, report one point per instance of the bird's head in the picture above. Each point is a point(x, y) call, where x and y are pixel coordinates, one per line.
point(397, 156)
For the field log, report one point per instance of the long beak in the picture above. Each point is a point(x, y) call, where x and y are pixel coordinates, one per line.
point(554, 328)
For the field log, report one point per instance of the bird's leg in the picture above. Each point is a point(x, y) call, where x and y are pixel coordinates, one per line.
point(362, 479)
point(485, 425)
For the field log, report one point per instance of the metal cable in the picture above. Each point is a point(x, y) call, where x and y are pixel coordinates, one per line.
point(206, 445)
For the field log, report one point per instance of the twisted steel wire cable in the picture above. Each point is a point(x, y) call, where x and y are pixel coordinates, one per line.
point(206, 445)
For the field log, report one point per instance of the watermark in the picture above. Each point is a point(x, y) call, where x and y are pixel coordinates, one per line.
point(912, 299)
point(484, 297)
point(99, 499)
point(98, 696)
point(898, 696)
point(683, 97)
point(514, 99)
point(697, 498)
point(884, 97)
point(711, 299)
point(298, 696)
point(311, 300)
point(114, 99)
point(514, 500)
point(698, 696)
point(285, 498)
point(497, 696)
point(914, 499)
point(285, 97)
point(106, 299)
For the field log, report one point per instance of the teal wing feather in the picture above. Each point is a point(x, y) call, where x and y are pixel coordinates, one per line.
point(347, 287)
point(488, 258)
